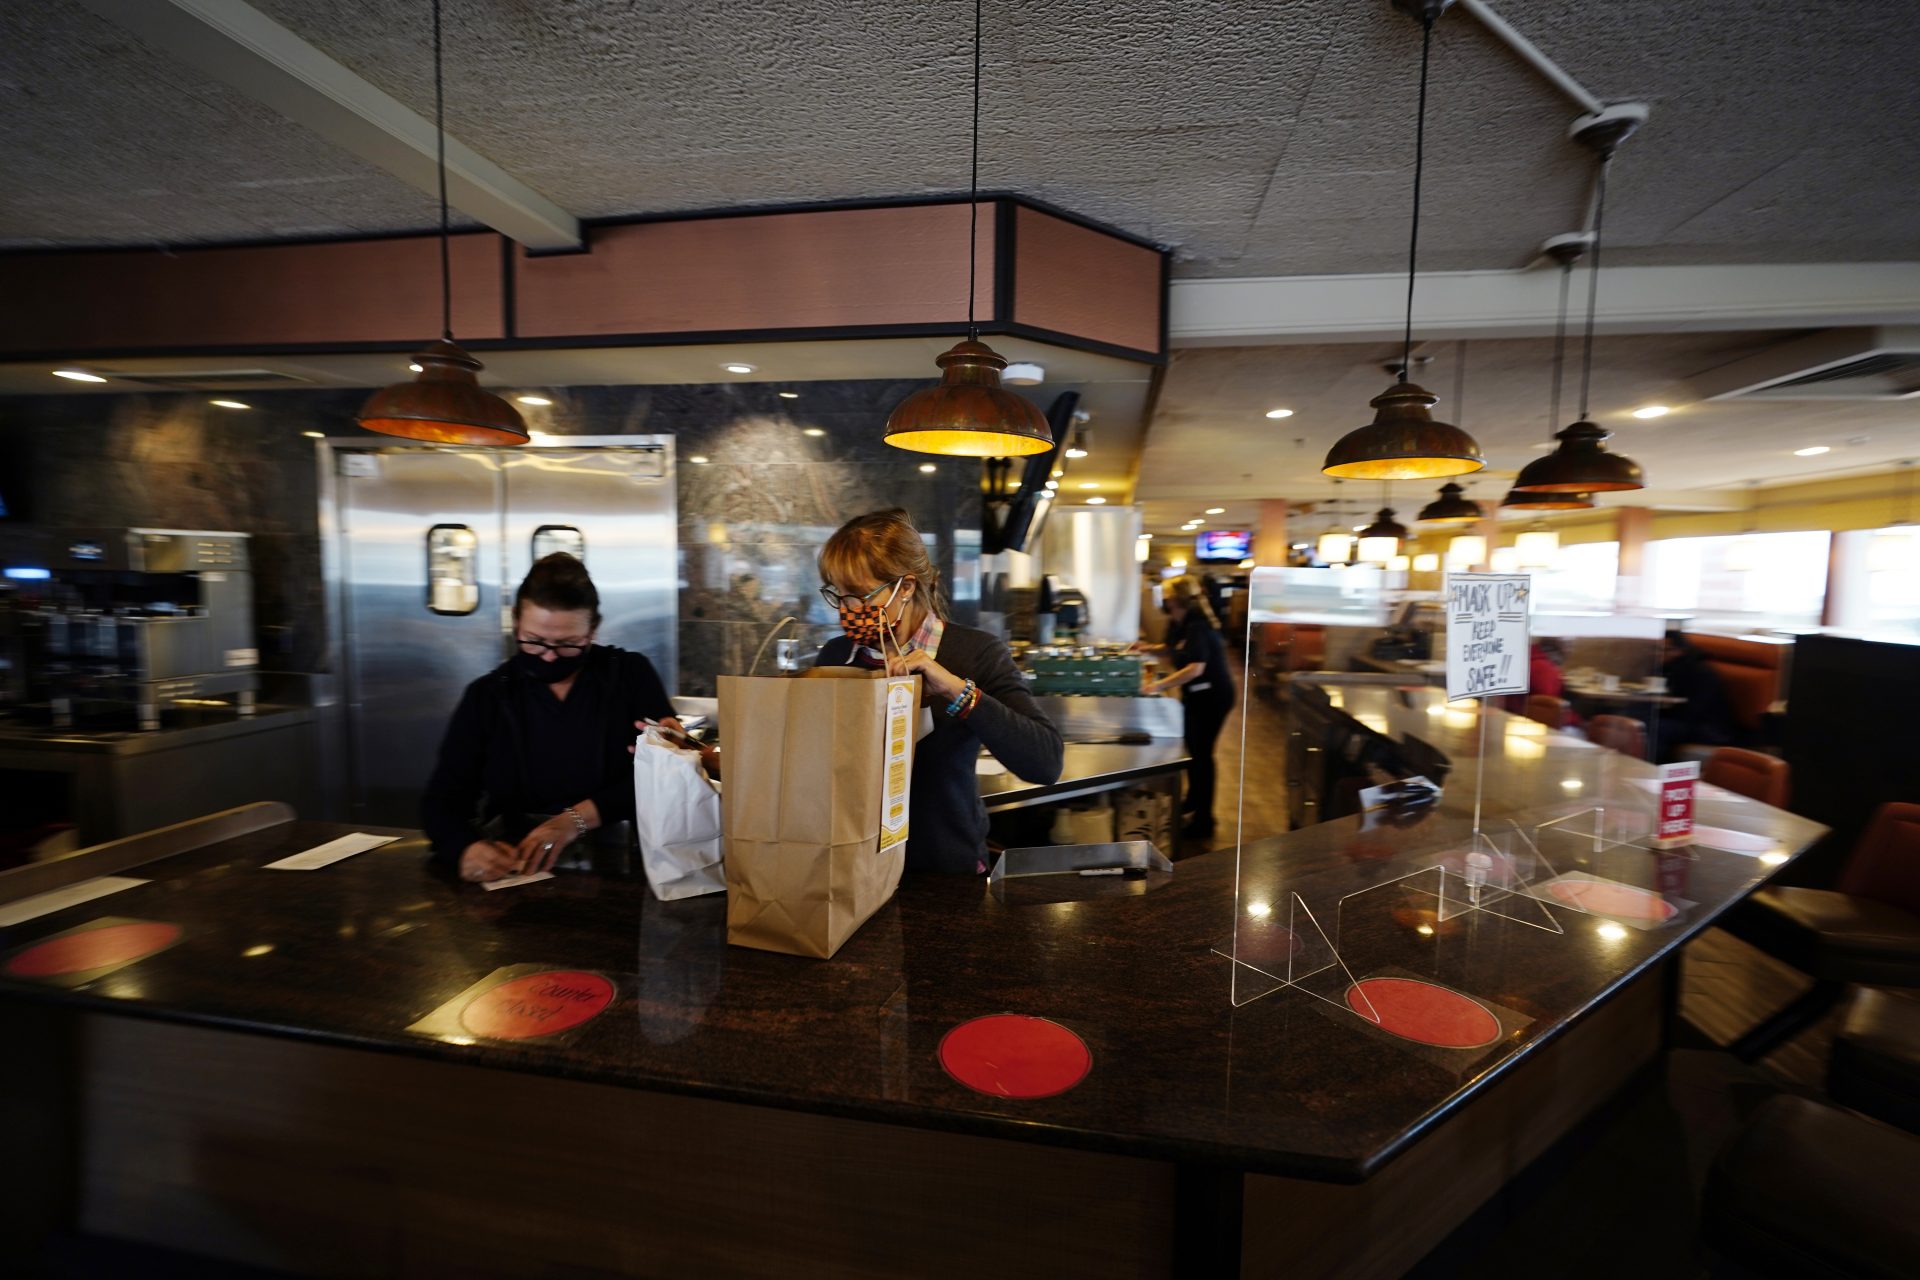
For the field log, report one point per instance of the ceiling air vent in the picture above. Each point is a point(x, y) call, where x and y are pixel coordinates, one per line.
point(212, 379)
point(1836, 364)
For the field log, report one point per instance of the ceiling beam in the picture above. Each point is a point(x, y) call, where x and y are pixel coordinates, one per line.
point(1519, 304)
point(242, 47)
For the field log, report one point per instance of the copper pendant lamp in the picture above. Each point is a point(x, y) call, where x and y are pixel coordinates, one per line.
point(1450, 507)
point(444, 404)
point(1581, 463)
point(969, 414)
point(1566, 252)
point(1404, 441)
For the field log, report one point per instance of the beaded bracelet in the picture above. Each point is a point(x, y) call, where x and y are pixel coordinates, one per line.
point(963, 701)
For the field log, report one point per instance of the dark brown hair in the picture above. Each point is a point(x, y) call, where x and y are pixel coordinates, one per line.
point(558, 582)
point(883, 545)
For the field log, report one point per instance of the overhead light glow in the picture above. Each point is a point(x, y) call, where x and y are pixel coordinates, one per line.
point(1024, 374)
point(1146, 537)
point(1089, 484)
point(1812, 451)
point(815, 432)
point(1053, 484)
point(1400, 564)
point(1652, 411)
point(414, 366)
point(78, 375)
point(1096, 502)
point(1076, 452)
point(230, 404)
point(928, 468)
point(1216, 511)
point(698, 459)
point(789, 395)
point(1279, 413)
point(314, 435)
point(537, 402)
point(1466, 551)
point(737, 368)
point(1426, 563)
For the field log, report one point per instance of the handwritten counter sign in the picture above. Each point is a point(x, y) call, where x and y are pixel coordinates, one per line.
point(1487, 634)
point(521, 1002)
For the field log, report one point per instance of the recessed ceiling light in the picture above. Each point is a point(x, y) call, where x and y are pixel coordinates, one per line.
point(698, 459)
point(1812, 451)
point(230, 404)
point(927, 468)
point(1053, 484)
point(1196, 523)
point(789, 395)
point(1216, 511)
point(1096, 502)
point(1089, 484)
point(535, 401)
point(1279, 413)
point(78, 375)
point(415, 367)
point(1057, 473)
point(1076, 452)
point(314, 435)
point(737, 368)
point(815, 432)
point(1652, 411)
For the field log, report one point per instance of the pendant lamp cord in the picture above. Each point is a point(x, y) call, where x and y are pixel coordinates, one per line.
point(1460, 383)
point(973, 184)
point(1419, 162)
point(440, 131)
point(1593, 286)
point(1559, 349)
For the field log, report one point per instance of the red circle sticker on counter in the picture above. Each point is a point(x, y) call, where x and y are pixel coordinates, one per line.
point(1010, 1055)
point(1424, 1013)
point(539, 1004)
point(87, 949)
point(1602, 898)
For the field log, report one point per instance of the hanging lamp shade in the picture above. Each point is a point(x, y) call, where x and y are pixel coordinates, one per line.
point(1449, 508)
point(1581, 464)
point(969, 414)
point(1404, 442)
point(1523, 500)
point(444, 403)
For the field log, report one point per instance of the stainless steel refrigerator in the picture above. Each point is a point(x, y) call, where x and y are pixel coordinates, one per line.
point(424, 547)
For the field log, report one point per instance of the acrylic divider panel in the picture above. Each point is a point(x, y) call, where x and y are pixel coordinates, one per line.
point(1273, 940)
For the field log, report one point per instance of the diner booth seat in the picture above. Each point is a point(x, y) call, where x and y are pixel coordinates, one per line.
point(1619, 733)
point(1866, 930)
point(1810, 1190)
point(1548, 710)
point(1875, 1067)
point(1753, 774)
point(1751, 672)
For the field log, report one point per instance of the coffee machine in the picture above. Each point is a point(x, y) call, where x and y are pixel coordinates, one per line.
point(149, 619)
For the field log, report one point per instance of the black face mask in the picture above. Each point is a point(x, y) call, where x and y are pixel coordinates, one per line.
point(536, 666)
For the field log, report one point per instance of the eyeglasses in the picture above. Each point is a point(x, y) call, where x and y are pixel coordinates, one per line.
point(558, 650)
point(834, 598)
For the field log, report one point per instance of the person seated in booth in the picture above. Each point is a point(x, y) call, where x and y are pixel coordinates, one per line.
point(1545, 657)
point(877, 576)
point(1706, 718)
point(536, 755)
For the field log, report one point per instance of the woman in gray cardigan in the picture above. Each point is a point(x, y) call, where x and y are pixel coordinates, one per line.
point(880, 580)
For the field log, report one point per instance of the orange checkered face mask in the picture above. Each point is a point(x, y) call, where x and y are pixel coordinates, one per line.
point(862, 617)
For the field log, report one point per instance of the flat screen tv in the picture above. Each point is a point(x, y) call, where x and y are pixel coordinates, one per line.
point(1013, 523)
point(1223, 544)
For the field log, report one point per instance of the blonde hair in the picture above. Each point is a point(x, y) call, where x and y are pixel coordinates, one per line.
point(1187, 590)
point(883, 545)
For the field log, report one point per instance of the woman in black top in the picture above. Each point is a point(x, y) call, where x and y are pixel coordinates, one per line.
point(545, 733)
point(1198, 657)
point(878, 577)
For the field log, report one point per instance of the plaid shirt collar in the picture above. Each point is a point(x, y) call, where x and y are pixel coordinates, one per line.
point(927, 637)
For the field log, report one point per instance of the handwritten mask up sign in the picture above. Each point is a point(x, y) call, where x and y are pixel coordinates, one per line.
point(1486, 634)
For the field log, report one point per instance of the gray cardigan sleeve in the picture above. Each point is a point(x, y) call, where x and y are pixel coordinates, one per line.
point(1008, 722)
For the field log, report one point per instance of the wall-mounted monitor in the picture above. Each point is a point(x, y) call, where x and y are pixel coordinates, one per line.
point(1223, 544)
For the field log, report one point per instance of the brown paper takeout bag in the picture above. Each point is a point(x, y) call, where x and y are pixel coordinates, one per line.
point(814, 811)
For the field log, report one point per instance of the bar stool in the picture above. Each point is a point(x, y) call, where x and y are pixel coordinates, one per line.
point(1866, 931)
point(1753, 774)
point(1875, 1067)
point(1619, 733)
point(1548, 710)
point(1806, 1189)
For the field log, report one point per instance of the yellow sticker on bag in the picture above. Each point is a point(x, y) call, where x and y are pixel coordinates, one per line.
point(899, 773)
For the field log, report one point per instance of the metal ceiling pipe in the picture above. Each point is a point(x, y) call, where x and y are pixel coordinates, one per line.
point(1530, 53)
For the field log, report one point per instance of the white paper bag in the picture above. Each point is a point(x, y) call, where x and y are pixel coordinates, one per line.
point(676, 814)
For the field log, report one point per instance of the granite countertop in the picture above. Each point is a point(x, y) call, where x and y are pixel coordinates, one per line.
point(1289, 1082)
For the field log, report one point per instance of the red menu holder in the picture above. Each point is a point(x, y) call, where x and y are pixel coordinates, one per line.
point(1675, 825)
